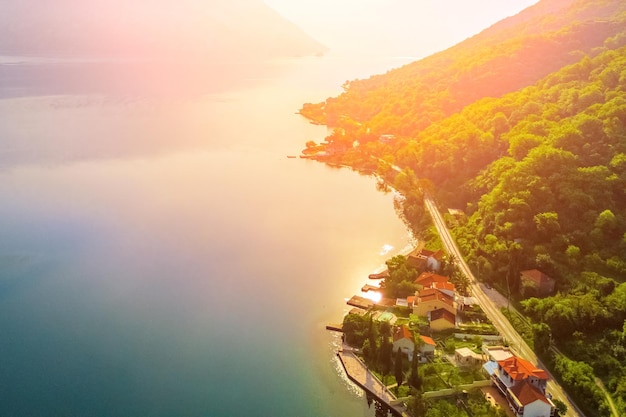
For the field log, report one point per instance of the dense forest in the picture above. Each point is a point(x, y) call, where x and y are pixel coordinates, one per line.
point(523, 128)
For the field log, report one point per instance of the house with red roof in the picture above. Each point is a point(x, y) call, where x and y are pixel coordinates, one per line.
point(403, 340)
point(447, 288)
point(426, 279)
point(425, 260)
point(534, 278)
point(427, 348)
point(524, 386)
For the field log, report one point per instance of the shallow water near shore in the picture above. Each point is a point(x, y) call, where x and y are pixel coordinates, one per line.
point(161, 256)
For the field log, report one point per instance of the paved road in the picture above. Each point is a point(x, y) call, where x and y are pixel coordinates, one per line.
point(493, 313)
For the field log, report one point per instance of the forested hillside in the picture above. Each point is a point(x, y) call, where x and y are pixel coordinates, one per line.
point(523, 127)
point(512, 54)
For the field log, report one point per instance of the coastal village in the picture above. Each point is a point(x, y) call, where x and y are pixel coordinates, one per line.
point(442, 332)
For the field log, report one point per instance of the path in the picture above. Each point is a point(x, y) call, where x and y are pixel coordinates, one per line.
point(608, 397)
point(359, 374)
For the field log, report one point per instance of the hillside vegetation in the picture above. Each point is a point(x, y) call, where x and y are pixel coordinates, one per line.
point(523, 127)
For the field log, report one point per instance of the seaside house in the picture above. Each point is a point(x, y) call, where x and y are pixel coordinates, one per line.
point(524, 386)
point(541, 283)
point(441, 319)
point(403, 339)
point(446, 288)
point(427, 279)
point(425, 260)
point(427, 348)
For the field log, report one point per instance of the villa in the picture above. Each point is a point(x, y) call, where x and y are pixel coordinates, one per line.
point(524, 387)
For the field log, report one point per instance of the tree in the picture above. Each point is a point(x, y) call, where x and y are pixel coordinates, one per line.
point(399, 373)
point(372, 338)
point(561, 407)
point(414, 378)
point(385, 352)
point(354, 328)
point(417, 406)
point(541, 337)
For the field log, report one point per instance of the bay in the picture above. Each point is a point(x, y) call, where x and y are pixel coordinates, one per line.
point(161, 256)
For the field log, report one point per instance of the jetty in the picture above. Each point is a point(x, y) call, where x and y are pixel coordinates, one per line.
point(379, 275)
point(368, 287)
point(361, 302)
point(358, 373)
point(335, 327)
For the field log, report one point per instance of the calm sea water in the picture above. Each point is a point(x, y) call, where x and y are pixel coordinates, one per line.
point(161, 256)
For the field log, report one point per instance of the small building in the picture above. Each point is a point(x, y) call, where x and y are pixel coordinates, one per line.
point(466, 358)
point(427, 348)
point(425, 260)
point(431, 299)
point(403, 340)
point(497, 353)
point(441, 319)
point(541, 283)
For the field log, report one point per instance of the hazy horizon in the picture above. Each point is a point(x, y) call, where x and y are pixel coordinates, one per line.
point(394, 27)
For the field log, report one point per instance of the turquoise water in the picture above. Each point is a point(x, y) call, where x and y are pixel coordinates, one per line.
point(162, 256)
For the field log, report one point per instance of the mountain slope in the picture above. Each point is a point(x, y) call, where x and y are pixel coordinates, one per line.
point(510, 55)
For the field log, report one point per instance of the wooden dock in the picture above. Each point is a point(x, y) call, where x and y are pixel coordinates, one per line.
point(360, 375)
point(368, 287)
point(335, 327)
point(361, 302)
point(380, 275)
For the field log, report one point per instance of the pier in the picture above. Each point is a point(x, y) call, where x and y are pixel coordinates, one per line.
point(368, 287)
point(380, 275)
point(360, 375)
point(335, 327)
point(361, 302)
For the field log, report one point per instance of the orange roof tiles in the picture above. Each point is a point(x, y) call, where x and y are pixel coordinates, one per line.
point(428, 340)
point(427, 278)
point(402, 333)
point(526, 393)
point(520, 369)
point(443, 286)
